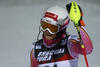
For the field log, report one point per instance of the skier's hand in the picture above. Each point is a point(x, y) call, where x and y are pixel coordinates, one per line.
point(80, 20)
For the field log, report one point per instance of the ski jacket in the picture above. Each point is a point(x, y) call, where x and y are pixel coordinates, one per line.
point(62, 54)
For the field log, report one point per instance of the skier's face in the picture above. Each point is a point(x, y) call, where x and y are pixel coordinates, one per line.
point(48, 35)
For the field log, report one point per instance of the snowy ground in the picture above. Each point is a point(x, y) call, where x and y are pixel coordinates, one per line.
point(19, 24)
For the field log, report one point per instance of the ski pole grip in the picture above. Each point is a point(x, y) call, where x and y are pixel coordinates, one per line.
point(74, 12)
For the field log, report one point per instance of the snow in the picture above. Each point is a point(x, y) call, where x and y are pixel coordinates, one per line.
point(19, 25)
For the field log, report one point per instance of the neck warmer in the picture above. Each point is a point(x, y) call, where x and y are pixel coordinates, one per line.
point(54, 41)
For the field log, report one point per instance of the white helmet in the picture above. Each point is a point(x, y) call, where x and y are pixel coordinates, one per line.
point(56, 15)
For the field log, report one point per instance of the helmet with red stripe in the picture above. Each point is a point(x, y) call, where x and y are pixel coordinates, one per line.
point(56, 15)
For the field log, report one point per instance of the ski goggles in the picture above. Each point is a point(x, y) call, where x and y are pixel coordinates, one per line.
point(53, 29)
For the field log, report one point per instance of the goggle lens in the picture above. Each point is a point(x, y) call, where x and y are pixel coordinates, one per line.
point(52, 28)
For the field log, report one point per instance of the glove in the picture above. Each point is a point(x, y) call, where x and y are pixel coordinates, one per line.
point(80, 22)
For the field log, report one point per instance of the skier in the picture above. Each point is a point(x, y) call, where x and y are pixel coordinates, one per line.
point(57, 48)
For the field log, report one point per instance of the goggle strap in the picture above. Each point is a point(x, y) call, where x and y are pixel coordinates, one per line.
point(39, 32)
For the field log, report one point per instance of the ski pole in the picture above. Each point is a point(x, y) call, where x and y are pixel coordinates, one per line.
point(75, 16)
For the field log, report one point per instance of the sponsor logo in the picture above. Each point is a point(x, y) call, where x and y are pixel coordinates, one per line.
point(51, 15)
point(46, 55)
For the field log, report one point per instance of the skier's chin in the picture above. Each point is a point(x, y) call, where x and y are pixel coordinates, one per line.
point(49, 36)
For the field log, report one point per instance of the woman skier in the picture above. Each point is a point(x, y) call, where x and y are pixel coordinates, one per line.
point(57, 48)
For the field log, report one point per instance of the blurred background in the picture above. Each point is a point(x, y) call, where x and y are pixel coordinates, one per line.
point(19, 27)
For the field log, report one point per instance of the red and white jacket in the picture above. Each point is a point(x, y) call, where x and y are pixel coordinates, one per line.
point(63, 53)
